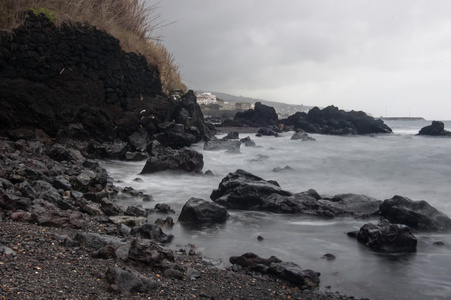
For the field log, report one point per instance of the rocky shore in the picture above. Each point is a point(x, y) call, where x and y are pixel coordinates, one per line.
point(60, 239)
point(42, 267)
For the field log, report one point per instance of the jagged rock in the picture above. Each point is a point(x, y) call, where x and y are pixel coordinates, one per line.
point(95, 196)
point(128, 281)
point(342, 205)
point(243, 190)
point(85, 181)
point(27, 191)
point(261, 115)
point(234, 135)
point(174, 136)
point(247, 142)
point(198, 210)
point(250, 259)
point(332, 120)
point(268, 131)
point(110, 208)
point(168, 222)
point(295, 274)
point(273, 266)
point(163, 208)
point(152, 232)
point(139, 139)
point(60, 153)
point(149, 252)
point(387, 237)
point(162, 159)
point(135, 211)
point(128, 220)
point(93, 209)
point(12, 202)
point(437, 128)
point(47, 214)
point(44, 190)
point(60, 182)
point(96, 241)
point(302, 135)
point(106, 252)
point(418, 215)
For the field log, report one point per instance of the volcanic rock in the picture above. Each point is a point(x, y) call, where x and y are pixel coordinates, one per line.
point(332, 120)
point(418, 215)
point(243, 190)
point(198, 210)
point(162, 159)
point(387, 237)
point(127, 281)
point(437, 128)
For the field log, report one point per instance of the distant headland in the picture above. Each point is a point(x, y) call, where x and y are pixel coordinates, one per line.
point(402, 118)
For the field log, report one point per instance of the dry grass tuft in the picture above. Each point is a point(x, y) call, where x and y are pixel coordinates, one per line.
point(133, 22)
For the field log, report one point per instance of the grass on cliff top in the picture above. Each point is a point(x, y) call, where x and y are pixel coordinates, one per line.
point(133, 22)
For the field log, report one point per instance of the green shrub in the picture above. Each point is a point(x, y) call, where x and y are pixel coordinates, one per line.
point(48, 13)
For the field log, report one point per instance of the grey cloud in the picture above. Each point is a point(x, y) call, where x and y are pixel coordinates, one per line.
point(356, 54)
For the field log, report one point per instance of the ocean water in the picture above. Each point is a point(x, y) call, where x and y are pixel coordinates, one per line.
point(380, 166)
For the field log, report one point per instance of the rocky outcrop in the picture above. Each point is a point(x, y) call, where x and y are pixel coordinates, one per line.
point(342, 205)
point(261, 115)
point(162, 159)
point(386, 237)
point(152, 232)
point(418, 215)
point(302, 135)
point(149, 252)
point(268, 131)
point(76, 83)
point(198, 211)
point(273, 266)
point(80, 75)
point(127, 281)
point(332, 120)
point(243, 190)
point(437, 128)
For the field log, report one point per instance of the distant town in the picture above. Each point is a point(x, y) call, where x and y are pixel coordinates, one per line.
point(207, 98)
point(221, 105)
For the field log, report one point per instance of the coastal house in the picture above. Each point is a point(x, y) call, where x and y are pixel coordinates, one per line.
point(206, 98)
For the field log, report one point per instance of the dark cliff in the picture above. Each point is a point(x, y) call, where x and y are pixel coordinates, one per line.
point(75, 82)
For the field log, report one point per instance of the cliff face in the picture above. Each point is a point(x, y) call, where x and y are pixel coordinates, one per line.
point(58, 79)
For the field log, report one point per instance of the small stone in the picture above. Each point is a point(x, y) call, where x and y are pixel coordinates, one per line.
point(173, 273)
point(329, 256)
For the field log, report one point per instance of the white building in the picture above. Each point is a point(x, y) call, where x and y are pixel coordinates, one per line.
point(206, 98)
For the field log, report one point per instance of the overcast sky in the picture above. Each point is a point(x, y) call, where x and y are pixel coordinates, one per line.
point(384, 57)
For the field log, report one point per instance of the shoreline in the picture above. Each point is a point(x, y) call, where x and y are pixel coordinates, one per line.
point(42, 258)
point(42, 267)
